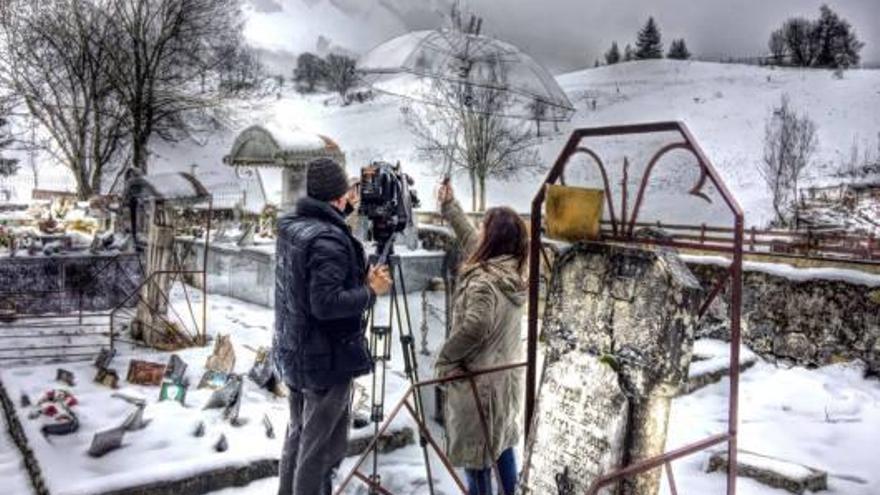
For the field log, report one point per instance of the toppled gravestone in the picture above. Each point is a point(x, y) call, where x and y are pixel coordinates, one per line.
point(619, 329)
point(770, 471)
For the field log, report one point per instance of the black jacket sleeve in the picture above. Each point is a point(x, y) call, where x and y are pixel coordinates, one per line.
point(329, 299)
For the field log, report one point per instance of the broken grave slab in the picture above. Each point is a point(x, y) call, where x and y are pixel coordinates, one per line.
point(773, 472)
point(711, 363)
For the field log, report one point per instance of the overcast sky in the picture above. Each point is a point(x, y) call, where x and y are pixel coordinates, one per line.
point(569, 34)
point(564, 35)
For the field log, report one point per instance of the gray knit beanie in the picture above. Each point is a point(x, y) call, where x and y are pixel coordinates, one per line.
point(326, 180)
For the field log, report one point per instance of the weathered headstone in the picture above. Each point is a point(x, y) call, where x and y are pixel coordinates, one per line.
point(135, 421)
point(582, 426)
point(222, 360)
point(135, 401)
point(267, 424)
point(619, 327)
point(227, 395)
point(107, 377)
point(106, 441)
point(173, 390)
point(263, 371)
point(65, 376)
point(175, 370)
point(105, 356)
point(213, 380)
point(221, 445)
point(145, 372)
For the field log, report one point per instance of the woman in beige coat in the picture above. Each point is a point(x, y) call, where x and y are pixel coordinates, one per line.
point(486, 332)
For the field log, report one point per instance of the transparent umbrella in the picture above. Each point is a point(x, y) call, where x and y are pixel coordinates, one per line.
point(412, 66)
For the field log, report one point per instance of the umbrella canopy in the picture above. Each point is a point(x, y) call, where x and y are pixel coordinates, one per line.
point(409, 64)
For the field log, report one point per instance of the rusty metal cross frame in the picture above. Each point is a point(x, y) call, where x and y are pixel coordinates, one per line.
point(623, 229)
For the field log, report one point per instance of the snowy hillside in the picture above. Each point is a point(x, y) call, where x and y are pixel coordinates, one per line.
point(725, 106)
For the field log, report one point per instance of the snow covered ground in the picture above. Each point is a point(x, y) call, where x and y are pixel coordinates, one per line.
point(825, 418)
point(12, 472)
point(167, 448)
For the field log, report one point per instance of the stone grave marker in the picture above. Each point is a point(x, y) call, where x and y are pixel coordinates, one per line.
point(619, 328)
point(106, 441)
point(175, 370)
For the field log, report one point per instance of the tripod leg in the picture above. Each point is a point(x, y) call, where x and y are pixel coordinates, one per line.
point(411, 367)
point(380, 344)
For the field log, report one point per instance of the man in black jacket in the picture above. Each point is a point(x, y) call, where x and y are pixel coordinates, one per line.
point(322, 291)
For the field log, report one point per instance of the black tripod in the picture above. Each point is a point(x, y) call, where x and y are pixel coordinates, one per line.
point(380, 346)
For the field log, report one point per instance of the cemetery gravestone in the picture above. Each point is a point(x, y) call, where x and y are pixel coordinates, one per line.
point(619, 326)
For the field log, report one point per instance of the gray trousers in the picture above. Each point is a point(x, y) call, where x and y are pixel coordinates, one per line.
point(316, 440)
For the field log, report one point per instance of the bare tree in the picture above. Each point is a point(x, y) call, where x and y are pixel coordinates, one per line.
point(789, 144)
point(462, 128)
point(168, 58)
point(56, 59)
point(8, 166)
point(239, 71)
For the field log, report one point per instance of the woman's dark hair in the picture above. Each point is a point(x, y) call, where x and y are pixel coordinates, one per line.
point(504, 233)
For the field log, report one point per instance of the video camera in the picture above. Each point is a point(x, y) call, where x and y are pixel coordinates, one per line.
point(386, 200)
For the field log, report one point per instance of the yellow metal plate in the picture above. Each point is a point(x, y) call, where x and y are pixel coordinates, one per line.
point(573, 213)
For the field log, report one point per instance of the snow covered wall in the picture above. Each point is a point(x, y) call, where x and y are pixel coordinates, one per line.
point(807, 315)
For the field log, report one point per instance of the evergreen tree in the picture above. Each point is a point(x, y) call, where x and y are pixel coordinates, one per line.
point(838, 45)
point(800, 37)
point(649, 44)
point(628, 53)
point(829, 41)
point(309, 71)
point(678, 50)
point(612, 56)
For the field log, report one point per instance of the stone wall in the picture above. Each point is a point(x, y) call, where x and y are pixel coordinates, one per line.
point(809, 316)
point(248, 273)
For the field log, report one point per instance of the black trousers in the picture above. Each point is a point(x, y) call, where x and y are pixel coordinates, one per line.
point(316, 441)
